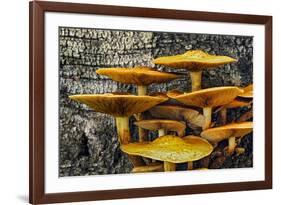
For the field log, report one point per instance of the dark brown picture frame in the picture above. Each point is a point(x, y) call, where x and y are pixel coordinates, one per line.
point(37, 10)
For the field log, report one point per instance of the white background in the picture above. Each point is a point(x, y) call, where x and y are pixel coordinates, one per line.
point(14, 100)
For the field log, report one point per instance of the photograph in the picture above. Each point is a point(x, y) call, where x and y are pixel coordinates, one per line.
point(129, 102)
point(133, 101)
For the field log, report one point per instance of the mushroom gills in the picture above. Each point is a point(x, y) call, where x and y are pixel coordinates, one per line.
point(207, 112)
point(195, 80)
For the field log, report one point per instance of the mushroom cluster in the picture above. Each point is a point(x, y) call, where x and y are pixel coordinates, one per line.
point(182, 120)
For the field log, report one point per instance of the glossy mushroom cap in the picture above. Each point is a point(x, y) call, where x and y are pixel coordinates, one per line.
point(210, 97)
point(194, 60)
point(218, 134)
point(118, 105)
point(137, 76)
point(195, 140)
point(157, 124)
point(248, 92)
point(171, 149)
point(174, 112)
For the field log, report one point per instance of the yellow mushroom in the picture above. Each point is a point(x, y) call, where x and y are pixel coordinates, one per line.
point(237, 102)
point(242, 100)
point(173, 112)
point(229, 132)
point(171, 150)
point(152, 167)
point(140, 76)
point(195, 61)
point(162, 126)
point(121, 106)
point(207, 99)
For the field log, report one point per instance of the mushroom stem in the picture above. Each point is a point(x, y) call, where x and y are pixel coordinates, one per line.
point(207, 112)
point(196, 80)
point(189, 165)
point(142, 132)
point(123, 129)
point(231, 145)
point(223, 116)
point(169, 166)
point(142, 90)
point(161, 132)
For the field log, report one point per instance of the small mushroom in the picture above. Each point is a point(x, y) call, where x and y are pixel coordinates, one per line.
point(121, 106)
point(207, 99)
point(162, 126)
point(152, 167)
point(237, 102)
point(140, 76)
point(171, 150)
point(173, 112)
point(230, 132)
point(195, 61)
point(242, 100)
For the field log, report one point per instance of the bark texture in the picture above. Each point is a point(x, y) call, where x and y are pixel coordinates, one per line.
point(88, 140)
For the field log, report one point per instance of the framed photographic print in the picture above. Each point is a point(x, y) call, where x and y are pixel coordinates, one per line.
point(139, 102)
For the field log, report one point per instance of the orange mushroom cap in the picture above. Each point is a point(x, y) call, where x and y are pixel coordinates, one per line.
point(137, 75)
point(194, 60)
point(170, 149)
point(157, 124)
point(218, 134)
point(210, 97)
point(118, 105)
